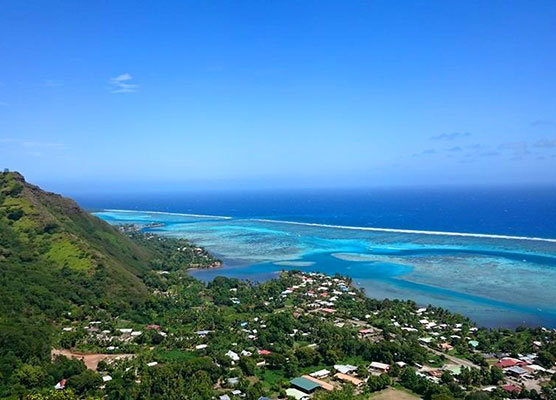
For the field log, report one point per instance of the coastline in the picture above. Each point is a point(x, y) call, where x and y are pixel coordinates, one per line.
point(258, 253)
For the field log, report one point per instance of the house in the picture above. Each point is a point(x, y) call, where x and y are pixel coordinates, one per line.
point(534, 368)
point(348, 378)
point(320, 373)
point(61, 385)
point(232, 355)
point(106, 378)
point(152, 364)
point(506, 363)
point(446, 346)
point(305, 385)
point(322, 384)
point(201, 346)
point(152, 327)
point(473, 343)
point(345, 369)
point(366, 332)
point(454, 369)
point(264, 352)
point(511, 388)
point(297, 394)
point(380, 366)
point(516, 371)
point(435, 373)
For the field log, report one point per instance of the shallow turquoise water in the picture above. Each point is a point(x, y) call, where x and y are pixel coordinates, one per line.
point(496, 282)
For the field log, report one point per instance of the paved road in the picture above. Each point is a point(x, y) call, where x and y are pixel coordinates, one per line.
point(458, 361)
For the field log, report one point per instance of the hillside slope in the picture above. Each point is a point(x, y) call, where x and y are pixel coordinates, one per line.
point(56, 259)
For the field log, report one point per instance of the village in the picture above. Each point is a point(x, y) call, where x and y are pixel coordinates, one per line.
point(290, 360)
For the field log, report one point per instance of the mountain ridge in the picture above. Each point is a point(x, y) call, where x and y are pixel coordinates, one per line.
point(58, 260)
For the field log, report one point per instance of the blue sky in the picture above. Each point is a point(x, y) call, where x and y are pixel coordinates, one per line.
point(200, 94)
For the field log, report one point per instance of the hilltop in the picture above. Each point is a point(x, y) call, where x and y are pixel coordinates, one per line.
point(48, 240)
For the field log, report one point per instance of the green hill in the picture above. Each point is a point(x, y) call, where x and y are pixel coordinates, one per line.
point(57, 259)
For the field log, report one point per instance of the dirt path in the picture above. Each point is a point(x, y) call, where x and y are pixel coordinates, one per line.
point(91, 360)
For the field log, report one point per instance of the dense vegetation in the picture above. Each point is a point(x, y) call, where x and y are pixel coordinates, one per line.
point(56, 261)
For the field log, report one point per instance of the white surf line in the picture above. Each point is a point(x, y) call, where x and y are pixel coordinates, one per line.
point(411, 231)
point(167, 213)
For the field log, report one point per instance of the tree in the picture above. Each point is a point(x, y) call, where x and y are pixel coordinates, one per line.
point(247, 365)
point(346, 393)
point(52, 395)
point(477, 396)
point(545, 359)
point(307, 356)
point(29, 376)
point(292, 368)
point(376, 383)
point(496, 375)
point(84, 382)
point(441, 396)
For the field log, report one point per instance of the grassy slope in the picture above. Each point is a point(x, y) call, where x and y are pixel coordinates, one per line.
point(55, 258)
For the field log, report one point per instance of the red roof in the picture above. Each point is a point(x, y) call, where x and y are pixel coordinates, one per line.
point(61, 384)
point(154, 327)
point(511, 388)
point(264, 352)
point(505, 363)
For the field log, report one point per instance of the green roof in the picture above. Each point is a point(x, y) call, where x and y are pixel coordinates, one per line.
point(473, 343)
point(455, 369)
point(304, 384)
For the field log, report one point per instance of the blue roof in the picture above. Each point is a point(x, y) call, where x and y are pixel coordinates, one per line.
point(304, 384)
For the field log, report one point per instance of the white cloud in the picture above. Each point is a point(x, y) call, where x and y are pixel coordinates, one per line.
point(122, 84)
point(33, 148)
point(43, 145)
point(451, 136)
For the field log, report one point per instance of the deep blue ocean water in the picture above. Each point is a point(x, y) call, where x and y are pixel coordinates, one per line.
point(495, 281)
point(527, 210)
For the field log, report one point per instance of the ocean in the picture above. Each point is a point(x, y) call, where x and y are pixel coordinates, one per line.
point(500, 273)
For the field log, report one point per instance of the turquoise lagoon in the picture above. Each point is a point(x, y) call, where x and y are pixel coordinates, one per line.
point(496, 281)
